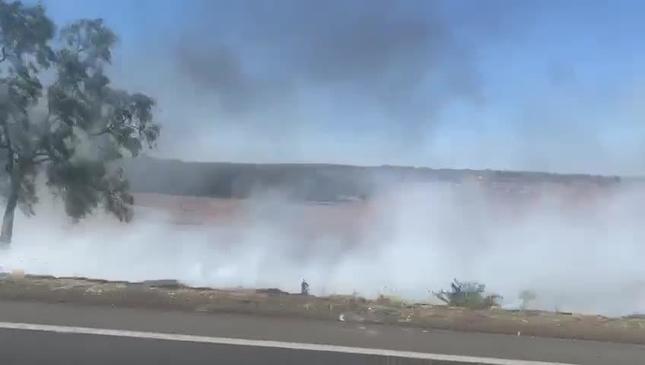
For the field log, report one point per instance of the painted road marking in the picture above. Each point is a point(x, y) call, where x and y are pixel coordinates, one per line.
point(266, 343)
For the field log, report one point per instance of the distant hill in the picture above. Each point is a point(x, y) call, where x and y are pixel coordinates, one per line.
point(321, 182)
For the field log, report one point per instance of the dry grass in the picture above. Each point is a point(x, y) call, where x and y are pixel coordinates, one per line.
point(172, 296)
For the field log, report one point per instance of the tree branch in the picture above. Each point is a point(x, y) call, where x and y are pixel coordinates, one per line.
point(4, 54)
point(47, 159)
point(101, 132)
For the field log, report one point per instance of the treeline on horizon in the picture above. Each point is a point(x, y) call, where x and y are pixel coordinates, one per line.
point(317, 182)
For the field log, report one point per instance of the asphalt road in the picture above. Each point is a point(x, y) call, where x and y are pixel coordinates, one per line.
point(98, 335)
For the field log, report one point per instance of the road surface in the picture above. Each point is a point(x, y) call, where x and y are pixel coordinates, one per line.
point(38, 333)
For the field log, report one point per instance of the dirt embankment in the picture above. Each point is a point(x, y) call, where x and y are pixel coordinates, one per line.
point(169, 295)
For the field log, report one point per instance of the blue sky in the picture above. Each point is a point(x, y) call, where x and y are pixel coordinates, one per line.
point(530, 85)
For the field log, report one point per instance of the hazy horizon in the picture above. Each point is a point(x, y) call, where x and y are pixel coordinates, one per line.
point(251, 162)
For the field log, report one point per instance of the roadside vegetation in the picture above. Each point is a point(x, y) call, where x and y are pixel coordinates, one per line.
point(170, 295)
point(61, 119)
point(468, 294)
point(527, 297)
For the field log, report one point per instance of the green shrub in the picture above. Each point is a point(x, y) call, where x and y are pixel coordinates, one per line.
point(526, 296)
point(468, 294)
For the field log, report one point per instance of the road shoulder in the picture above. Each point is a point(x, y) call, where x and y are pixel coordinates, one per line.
point(171, 296)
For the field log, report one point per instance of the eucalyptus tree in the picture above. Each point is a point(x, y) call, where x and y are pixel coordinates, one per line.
point(61, 120)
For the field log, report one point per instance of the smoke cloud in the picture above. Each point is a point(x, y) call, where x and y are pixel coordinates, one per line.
point(526, 86)
point(379, 53)
point(521, 86)
point(576, 253)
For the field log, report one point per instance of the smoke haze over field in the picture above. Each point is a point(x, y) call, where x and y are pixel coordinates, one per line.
point(406, 242)
point(531, 86)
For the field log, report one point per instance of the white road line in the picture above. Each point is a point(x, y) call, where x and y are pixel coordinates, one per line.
point(264, 343)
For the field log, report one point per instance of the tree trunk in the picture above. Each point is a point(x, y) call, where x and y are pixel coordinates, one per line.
point(7, 221)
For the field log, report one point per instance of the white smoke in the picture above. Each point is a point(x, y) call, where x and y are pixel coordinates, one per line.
point(409, 242)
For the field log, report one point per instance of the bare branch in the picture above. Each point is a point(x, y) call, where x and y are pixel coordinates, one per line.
point(37, 161)
point(4, 54)
point(101, 132)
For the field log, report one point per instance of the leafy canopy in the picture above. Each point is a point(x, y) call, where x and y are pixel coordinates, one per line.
point(60, 115)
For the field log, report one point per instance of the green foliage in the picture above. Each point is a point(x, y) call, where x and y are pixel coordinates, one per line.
point(527, 296)
point(468, 294)
point(74, 127)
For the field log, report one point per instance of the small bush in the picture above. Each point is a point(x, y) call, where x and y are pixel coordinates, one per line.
point(526, 296)
point(468, 294)
point(390, 300)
